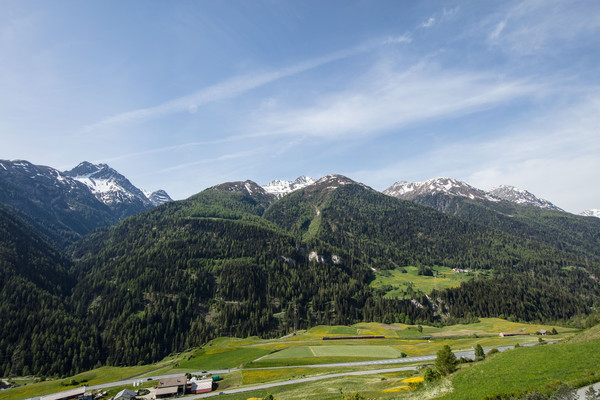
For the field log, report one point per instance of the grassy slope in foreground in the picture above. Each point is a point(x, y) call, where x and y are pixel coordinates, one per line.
point(535, 368)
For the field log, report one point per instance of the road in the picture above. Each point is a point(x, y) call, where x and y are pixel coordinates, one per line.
point(301, 380)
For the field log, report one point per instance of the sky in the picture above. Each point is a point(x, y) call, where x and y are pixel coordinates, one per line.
point(184, 95)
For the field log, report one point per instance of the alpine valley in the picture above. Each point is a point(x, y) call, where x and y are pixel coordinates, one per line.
point(94, 271)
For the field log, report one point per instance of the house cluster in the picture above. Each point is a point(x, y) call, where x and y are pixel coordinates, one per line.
point(463, 271)
point(180, 385)
point(542, 332)
point(167, 387)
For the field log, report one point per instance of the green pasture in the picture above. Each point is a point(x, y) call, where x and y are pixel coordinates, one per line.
point(221, 358)
point(528, 368)
point(357, 351)
point(399, 282)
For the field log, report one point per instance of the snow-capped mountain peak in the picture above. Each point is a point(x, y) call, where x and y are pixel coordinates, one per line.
point(591, 213)
point(522, 197)
point(157, 197)
point(280, 188)
point(114, 190)
point(448, 186)
point(332, 182)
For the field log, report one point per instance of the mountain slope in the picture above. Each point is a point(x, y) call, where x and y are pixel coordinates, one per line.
point(209, 266)
point(522, 197)
point(389, 232)
point(56, 205)
point(535, 219)
point(37, 329)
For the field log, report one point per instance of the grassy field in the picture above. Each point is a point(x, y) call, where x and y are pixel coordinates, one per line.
point(218, 358)
point(399, 281)
point(381, 386)
point(303, 348)
point(539, 368)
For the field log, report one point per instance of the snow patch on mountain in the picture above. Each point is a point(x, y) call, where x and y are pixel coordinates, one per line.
point(591, 213)
point(448, 186)
point(522, 197)
point(280, 188)
point(158, 197)
point(114, 190)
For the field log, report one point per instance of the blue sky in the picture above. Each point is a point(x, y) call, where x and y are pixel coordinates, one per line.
point(183, 95)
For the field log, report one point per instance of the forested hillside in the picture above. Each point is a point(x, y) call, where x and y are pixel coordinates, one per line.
point(233, 261)
point(38, 332)
point(574, 234)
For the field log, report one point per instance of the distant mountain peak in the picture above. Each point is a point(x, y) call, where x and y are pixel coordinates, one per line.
point(249, 187)
point(158, 197)
point(522, 197)
point(332, 182)
point(443, 185)
point(591, 213)
point(114, 189)
point(280, 188)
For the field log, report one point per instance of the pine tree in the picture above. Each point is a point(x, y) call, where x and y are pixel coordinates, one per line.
point(446, 362)
point(479, 353)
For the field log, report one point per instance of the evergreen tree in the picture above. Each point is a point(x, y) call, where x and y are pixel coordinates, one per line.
point(479, 353)
point(446, 362)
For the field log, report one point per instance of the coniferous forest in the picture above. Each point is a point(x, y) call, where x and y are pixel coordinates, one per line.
point(230, 262)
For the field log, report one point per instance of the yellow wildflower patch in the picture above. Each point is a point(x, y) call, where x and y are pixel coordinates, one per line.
point(396, 389)
point(414, 379)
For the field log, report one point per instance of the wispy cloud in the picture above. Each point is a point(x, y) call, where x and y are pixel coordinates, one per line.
point(388, 99)
point(429, 23)
point(554, 156)
point(522, 29)
point(236, 86)
point(498, 30)
point(221, 158)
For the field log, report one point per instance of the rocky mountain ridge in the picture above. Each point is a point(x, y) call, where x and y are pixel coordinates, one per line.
point(591, 213)
point(454, 188)
point(115, 190)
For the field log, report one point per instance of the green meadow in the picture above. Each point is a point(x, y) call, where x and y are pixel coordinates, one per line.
point(400, 281)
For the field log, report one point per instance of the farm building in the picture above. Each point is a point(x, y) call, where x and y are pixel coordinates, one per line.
point(71, 394)
point(201, 385)
point(170, 387)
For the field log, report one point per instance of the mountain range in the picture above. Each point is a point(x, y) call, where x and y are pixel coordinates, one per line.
point(64, 206)
point(240, 259)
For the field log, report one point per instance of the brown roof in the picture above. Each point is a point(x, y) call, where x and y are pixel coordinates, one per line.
point(168, 382)
point(166, 390)
point(65, 394)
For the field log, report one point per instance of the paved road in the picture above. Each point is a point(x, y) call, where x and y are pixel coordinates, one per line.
point(301, 380)
point(581, 391)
